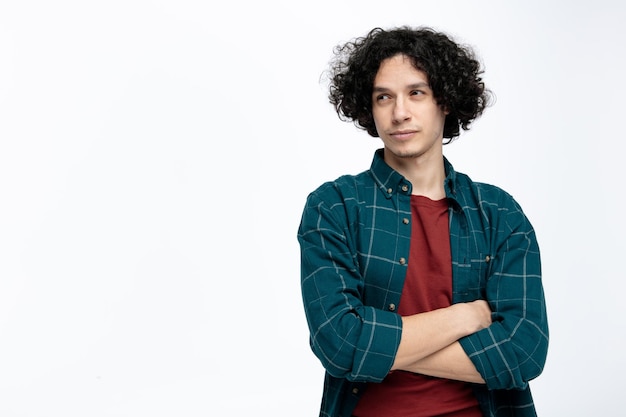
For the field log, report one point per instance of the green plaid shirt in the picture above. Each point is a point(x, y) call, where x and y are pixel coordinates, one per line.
point(354, 237)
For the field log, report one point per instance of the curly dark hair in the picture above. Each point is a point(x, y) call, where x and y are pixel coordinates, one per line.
point(453, 72)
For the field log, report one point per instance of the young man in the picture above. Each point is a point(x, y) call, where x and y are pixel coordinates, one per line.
point(422, 289)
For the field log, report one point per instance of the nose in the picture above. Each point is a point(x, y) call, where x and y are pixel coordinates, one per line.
point(400, 111)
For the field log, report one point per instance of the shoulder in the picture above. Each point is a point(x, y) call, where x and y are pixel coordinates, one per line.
point(491, 203)
point(342, 190)
point(336, 204)
point(482, 194)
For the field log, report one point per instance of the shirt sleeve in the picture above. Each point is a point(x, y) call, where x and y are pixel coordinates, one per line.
point(352, 340)
point(513, 350)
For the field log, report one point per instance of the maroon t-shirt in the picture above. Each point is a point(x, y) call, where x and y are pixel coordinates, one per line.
point(428, 286)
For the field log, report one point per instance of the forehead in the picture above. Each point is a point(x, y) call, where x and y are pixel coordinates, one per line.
point(397, 70)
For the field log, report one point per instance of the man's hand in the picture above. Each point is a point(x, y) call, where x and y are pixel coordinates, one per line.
point(476, 315)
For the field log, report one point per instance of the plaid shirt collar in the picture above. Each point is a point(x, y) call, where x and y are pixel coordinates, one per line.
point(389, 179)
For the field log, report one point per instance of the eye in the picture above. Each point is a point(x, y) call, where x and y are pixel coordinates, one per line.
point(417, 92)
point(382, 97)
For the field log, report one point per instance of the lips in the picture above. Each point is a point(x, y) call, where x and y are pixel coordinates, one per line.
point(403, 134)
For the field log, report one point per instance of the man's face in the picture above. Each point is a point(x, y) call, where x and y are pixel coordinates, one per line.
point(406, 114)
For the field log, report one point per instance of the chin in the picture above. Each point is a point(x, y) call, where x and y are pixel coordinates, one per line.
point(405, 153)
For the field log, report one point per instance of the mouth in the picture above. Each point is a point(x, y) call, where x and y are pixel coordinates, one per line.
point(403, 134)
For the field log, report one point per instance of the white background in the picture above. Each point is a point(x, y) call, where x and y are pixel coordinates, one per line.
point(154, 161)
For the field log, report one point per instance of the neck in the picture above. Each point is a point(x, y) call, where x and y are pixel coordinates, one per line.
point(426, 175)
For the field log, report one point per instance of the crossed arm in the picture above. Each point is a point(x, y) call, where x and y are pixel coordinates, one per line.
point(429, 341)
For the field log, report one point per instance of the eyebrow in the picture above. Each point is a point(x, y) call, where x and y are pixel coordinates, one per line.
point(421, 84)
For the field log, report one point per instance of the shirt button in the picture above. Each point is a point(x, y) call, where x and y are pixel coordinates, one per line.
point(392, 307)
point(405, 221)
point(487, 258)
point(355, 391)
point(402, 261)
point(405, 188)
point(389, 191)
